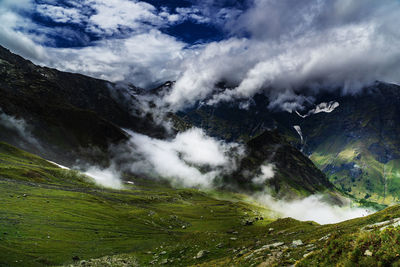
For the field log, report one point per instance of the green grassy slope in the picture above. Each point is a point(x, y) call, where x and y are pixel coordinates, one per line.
point(50, 216)
point(359, 151)
point(356, 145)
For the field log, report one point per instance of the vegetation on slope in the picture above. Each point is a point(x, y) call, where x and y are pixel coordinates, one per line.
point(355, 145)
point(51, 216)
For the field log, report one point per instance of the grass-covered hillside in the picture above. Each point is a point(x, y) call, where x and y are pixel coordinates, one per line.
point(355, 145)
point(52, 216)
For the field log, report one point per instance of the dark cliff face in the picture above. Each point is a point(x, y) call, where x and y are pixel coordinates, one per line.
point(72, 115)
point(294, 174)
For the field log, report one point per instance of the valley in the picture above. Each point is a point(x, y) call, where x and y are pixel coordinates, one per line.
point(53, 216)
point(262, 172)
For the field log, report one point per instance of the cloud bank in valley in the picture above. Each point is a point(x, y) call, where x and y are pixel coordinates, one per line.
point(108, 177)
point(190, 159)
point(312, 208)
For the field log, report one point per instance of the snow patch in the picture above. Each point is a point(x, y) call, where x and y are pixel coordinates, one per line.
point(326, 107)
point(58, 165)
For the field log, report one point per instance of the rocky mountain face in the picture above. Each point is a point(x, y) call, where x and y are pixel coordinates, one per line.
point(352, 139)
point(272, 161)
point(71, 115)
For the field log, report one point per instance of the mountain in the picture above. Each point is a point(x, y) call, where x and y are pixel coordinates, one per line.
point(293, 174)
point(56, 216)
point(352, 139)
point(357, 145)
point(72, 115)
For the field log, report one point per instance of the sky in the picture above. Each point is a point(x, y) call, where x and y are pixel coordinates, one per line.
point(289, 50)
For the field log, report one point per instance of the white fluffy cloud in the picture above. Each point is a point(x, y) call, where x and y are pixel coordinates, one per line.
point(105, 177)
point(292, 46)
point(344, 55)
point(275, 46)
point(110, 16)
point(10, 37)
point(190, 159)
point(267, 172)
point(60, 14)
point(312, 208)
point(144, 59)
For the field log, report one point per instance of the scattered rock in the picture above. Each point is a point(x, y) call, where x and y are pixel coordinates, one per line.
point(305, 255)
point(24, 195)
point(271, 229)
point(201, 254)
point(382, 225)
point(324, 237)
point(297, 243)
point(220, 245)
point(75, 258)
point(269, 246)
point(163, 252)
point(233, 238)
point(275, 245)
point(367, 253)
point(310, 247)
point(183, 226)
point(249, 256)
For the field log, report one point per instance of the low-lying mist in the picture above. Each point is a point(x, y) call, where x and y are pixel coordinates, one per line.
point(312, 208)
point(109, 177)
point(193, 159)
point(190, 159)
point(19, 127)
